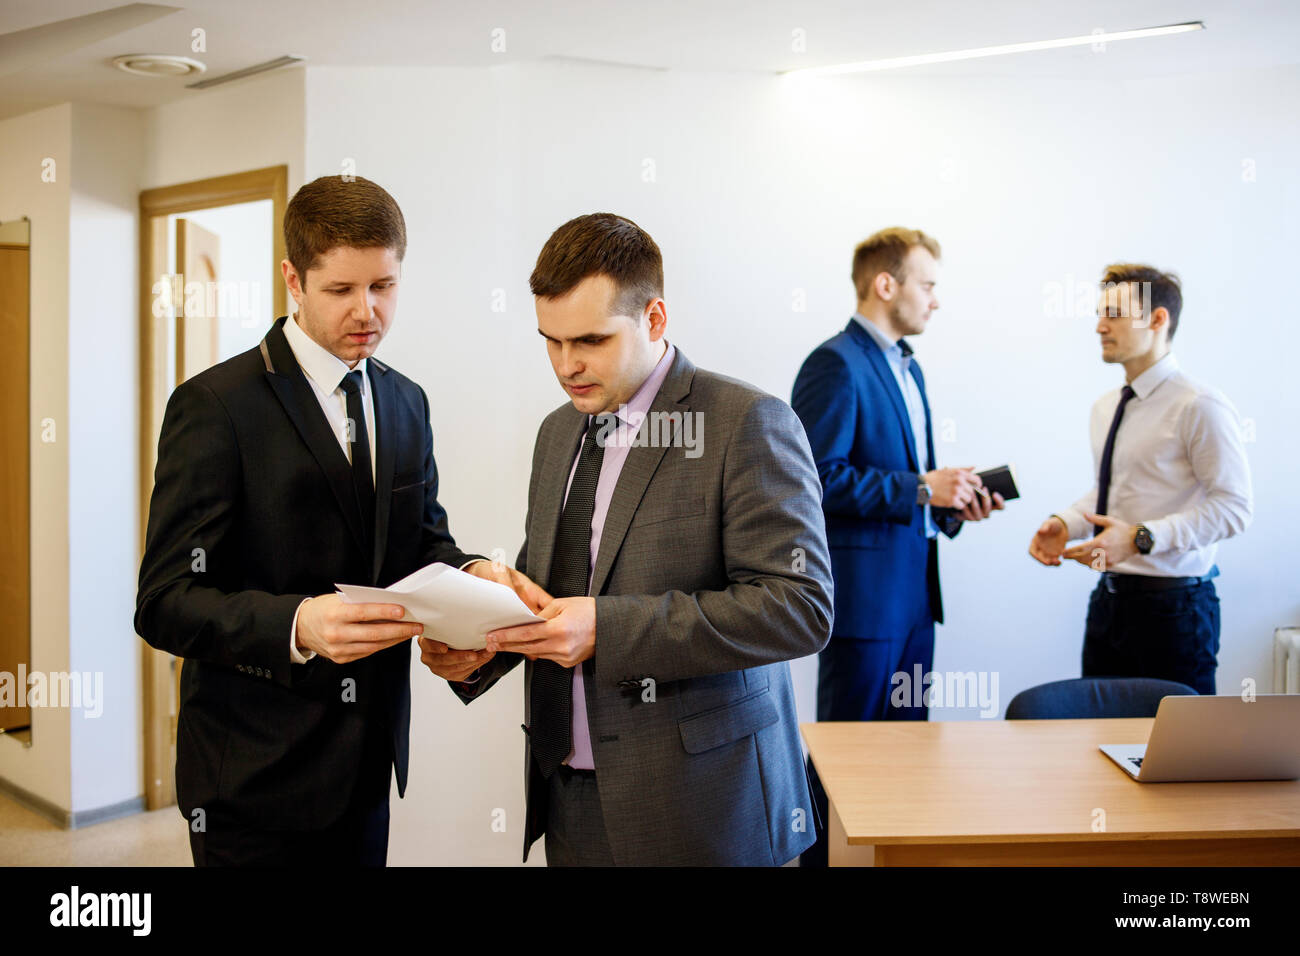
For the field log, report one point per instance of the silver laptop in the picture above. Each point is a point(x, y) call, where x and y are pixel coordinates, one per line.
point(1217, 738)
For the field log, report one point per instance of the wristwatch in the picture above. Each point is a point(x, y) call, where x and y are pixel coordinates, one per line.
point(923, 492)
point(1143, 540)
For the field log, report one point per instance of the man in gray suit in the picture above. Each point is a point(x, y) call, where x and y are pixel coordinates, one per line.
point(675, 516)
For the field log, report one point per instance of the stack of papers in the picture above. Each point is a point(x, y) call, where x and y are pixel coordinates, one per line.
point(455, 607)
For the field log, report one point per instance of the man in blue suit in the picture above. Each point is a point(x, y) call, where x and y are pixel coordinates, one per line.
point(861, 397)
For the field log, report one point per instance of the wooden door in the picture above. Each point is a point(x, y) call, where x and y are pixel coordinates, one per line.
point(198, 346)
point(162, 366)
point(198, 324)
point(15, 479)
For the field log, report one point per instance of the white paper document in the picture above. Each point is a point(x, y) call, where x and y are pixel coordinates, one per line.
point(455, 607)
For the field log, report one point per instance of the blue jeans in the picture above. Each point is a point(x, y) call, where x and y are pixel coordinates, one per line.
point(1170, 635)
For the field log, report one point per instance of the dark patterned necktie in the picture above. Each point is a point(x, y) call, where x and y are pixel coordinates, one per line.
point(1103, 479)
point(362, 480)
point(551, 689)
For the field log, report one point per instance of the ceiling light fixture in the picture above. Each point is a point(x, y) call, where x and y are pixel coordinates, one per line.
point(286, 60)
point(158, 64)
point(897, 62)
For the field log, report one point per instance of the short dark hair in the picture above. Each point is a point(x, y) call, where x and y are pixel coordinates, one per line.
point(884, 251)
point(601, 243)
point(1166, 290)
point(335, 211)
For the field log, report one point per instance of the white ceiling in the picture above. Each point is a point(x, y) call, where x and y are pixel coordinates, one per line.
point(706, 35)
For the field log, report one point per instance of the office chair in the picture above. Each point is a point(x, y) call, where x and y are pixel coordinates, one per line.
point(1086, 697)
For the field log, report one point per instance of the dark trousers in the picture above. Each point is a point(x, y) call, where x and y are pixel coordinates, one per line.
point(575, 826)
point(854, 682)
point(358, 838)
point(1170, 635)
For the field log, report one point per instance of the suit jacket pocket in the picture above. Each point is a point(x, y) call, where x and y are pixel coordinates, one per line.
point(676, 509)
point(722, 725)
point(410, 479)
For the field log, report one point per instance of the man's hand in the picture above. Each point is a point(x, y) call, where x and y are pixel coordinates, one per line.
point(567, 636)
point(449, 664)
point(1048, 543)
point(952, 487)
point(982, 506)
point(1115, 542)
point(534, 597)
point(349, 632)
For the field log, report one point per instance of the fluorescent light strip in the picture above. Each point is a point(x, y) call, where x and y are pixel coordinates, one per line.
point(286, 60)
point(896, 62)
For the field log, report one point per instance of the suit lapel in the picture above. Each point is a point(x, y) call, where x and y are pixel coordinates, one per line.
point(557, 462)
point(382, 389)
point(639, 467)
point(876, 359)
point(292, 389)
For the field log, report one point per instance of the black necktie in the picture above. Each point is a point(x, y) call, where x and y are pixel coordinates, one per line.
point(362, 480)
point(551, 690)
point(1103, 479)
point(907, 351)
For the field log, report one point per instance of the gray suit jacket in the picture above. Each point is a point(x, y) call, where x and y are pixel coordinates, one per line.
point(713, 572)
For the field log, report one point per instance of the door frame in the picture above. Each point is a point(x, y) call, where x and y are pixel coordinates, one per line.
point(271, 182)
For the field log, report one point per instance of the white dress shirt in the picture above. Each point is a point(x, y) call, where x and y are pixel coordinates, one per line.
point(1178, 467)
point(324, 371)
point(899, 364)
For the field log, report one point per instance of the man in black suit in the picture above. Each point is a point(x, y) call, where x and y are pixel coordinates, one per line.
point(299, 464)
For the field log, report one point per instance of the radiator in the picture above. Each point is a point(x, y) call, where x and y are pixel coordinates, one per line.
point(1286, 660)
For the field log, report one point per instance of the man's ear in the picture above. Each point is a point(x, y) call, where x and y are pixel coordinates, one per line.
point(884, 286)
point(1159, 319)
point(657, 316)
point(291, 279)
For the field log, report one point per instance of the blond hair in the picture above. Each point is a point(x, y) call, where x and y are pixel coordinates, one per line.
point(885, 251)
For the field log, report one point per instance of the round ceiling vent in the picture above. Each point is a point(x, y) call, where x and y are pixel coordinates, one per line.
point(158, 64)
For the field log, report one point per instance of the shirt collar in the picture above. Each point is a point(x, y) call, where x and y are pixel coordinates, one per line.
point(881, 339)
point(634, 411)
point(1152, 378)
point(320, 364)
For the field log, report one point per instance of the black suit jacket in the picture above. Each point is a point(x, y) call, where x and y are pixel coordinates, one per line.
point(253, 511)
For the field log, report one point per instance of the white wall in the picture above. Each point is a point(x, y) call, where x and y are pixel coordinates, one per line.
point(43, 769)
point(760, 188)
point(248, 124)
point(104, 398)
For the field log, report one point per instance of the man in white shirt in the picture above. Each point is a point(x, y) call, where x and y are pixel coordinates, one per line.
point(1172, 480)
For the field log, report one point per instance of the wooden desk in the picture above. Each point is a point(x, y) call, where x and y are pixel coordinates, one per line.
point(1033, 792)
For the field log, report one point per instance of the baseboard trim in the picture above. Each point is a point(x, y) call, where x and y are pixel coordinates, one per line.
point(67, 819)
point(112, 811)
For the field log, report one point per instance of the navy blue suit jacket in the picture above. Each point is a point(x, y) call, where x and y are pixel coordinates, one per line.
point(885, 568)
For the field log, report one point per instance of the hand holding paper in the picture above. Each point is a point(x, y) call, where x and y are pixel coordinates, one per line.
point(566, 636)
point(455, 607)
point(345, 632)
point(451, 665)
point(530, 593)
